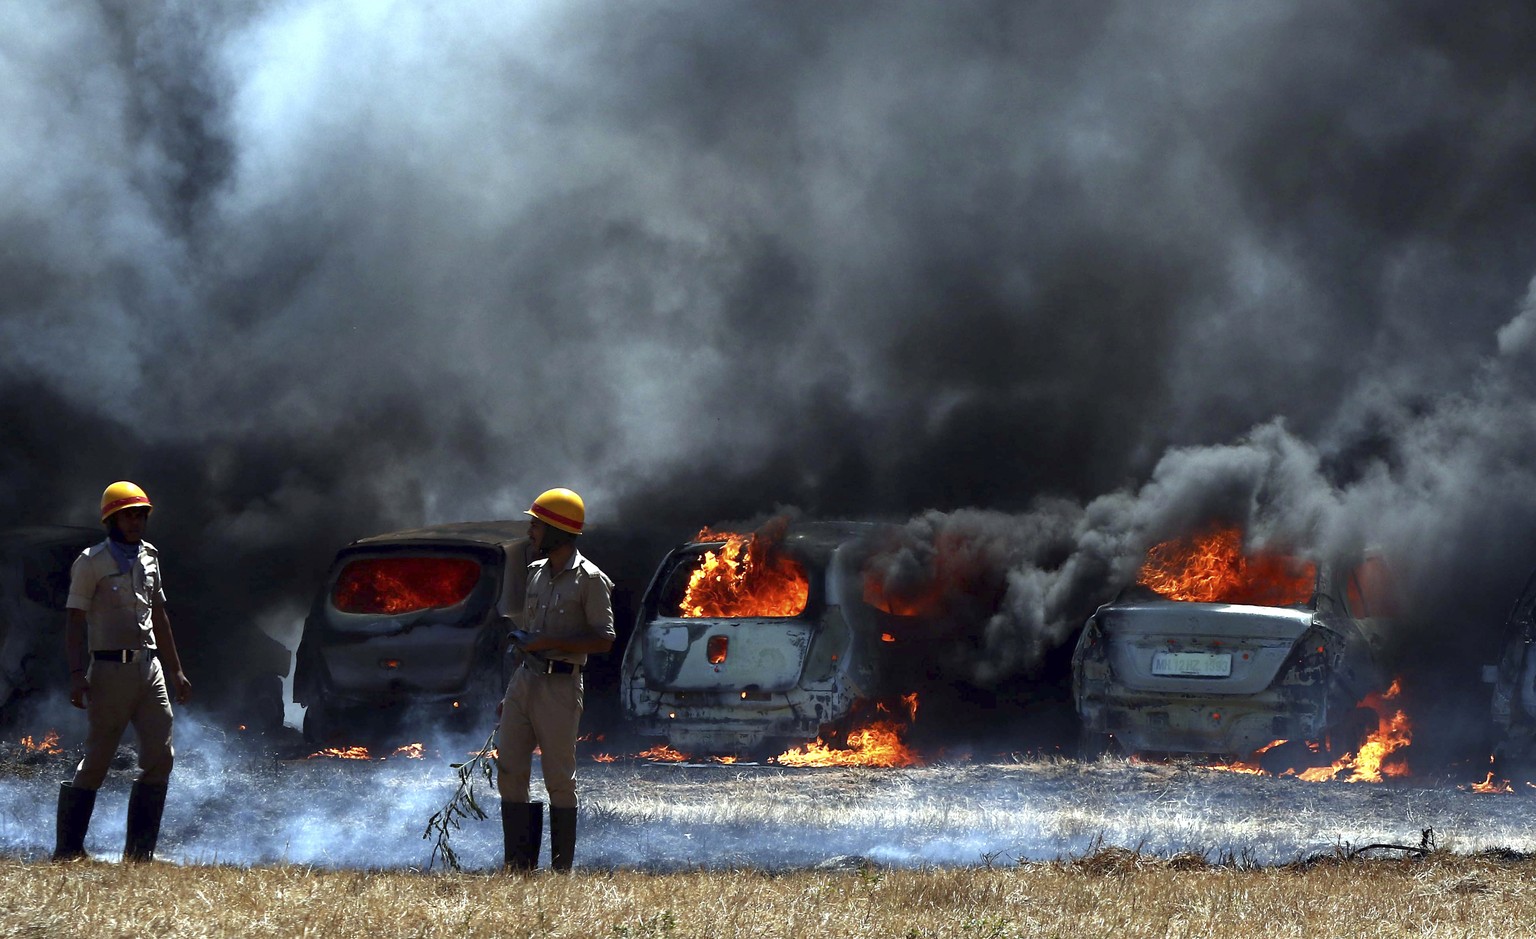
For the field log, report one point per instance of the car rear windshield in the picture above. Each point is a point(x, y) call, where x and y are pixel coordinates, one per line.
point(390, 585)
point(1213, 568)
point(730, 582)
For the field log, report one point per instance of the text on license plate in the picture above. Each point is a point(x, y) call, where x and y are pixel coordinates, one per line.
point(1198, 664)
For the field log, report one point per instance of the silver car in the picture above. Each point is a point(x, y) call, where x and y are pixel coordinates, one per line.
point(1157, 675)
point(744, 684)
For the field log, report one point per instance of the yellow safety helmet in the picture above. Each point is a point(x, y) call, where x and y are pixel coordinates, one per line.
point(122, 495)
point(561, 508)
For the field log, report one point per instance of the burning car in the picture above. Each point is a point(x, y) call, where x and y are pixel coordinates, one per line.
point(1216, 652)
point(1514, 688)
point(415, 617)
point(746, 644)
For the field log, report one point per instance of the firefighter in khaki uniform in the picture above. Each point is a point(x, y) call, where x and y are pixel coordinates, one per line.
point(116, 635)
point(568, 614)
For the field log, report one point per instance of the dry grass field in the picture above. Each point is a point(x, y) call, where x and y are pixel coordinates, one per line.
point(1113, 893)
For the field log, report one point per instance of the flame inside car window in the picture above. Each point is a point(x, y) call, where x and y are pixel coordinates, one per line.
point(403, 584)
point(921, 602)
point(1212, 568)
point(744, 577)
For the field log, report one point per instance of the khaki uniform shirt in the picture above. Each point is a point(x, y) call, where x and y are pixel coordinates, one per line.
point(574, 601)
point(116, 606)
point(514, 590)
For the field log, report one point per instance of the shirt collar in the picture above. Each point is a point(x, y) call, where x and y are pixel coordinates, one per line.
point(124, 554)
point(570, 564)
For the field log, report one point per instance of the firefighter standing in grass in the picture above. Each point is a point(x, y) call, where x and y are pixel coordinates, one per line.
point(568, 614)
point(121, 658)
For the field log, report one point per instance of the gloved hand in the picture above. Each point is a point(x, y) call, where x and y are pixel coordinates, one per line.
point(519, 637)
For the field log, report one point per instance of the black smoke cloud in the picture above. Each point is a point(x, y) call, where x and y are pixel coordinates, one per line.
point(310, 270)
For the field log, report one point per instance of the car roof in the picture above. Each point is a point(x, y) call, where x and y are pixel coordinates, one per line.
point(495, 533)
point(818, 538)
point(48, 535)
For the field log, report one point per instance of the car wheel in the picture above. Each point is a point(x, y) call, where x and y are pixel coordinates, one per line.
point(264, 703)
point(1092, 746)
point(317, 722)
point(1293, 756)
point(1353, 731)
point(770, 747)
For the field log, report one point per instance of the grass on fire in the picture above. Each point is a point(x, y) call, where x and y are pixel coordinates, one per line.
point(1110, 893)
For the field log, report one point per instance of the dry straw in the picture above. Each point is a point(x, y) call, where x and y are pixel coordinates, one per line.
point(1122, 894)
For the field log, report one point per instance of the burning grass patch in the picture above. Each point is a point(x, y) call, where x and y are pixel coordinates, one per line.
point(231, 806)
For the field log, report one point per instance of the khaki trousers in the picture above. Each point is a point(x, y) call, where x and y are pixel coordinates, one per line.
point(541, 711)
point(123, 694)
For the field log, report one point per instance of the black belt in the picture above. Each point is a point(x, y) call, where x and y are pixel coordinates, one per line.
point(549, 666)
point(125, 656)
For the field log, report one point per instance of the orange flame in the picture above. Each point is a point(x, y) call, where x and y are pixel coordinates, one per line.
point(342, 753)
point(744, 577)
point(1212, 568)
point(411, 751)
point(604, 757)
point(1371, 763)
point(918, 603)
point(1489, 786)
point(391, 585)
point(878, 744)
point(49, 743)
point(661, 753)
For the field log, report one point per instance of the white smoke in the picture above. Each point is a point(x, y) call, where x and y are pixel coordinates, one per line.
point(231, 803)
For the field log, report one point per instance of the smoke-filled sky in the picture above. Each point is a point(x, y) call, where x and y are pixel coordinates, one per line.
point(311, 270)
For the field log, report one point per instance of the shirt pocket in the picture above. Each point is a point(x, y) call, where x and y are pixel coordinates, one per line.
point(117, 591)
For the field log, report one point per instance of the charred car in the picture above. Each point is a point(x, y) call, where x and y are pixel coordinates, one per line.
point(35, 565)
point(748, 646)
point(34, 584)
point(1514, 689)
point(1228, 656)
point(412, 618)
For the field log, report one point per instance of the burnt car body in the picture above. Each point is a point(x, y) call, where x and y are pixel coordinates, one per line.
point(753, 684)
point(412, 618)
point(1514, 689)
point(34, 585)
point(1153, 675)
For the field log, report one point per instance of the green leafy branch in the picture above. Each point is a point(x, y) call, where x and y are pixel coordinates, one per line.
point(449, 818)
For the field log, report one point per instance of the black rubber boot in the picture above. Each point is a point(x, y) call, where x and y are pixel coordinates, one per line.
point(75, 807)
point(146, 803)
point(522, 828)
point(562, 837)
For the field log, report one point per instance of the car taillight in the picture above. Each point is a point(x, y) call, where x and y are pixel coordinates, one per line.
point(717, 648)
point(1314, 651)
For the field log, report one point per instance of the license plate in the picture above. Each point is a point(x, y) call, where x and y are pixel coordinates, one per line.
point(1193, 664)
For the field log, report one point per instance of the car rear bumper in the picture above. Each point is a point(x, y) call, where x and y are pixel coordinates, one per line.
point(725, 720)
point(1204, 725)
